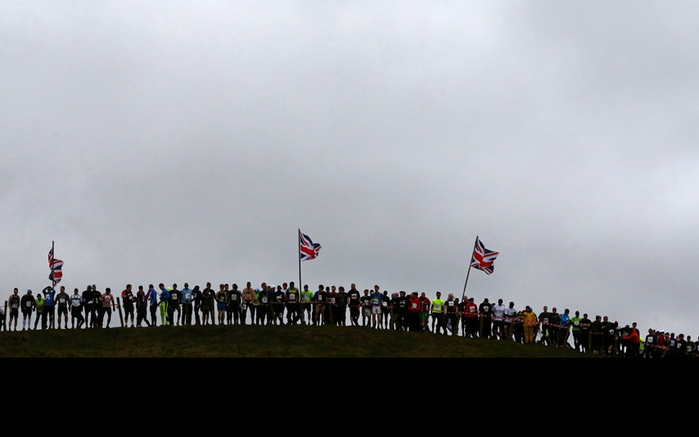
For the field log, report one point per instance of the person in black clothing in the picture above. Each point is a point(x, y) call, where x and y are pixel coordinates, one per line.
point(3, 317)
point(127, 300)
point(680, 350)
point(385, 311)
point(340, 307)
point(141, 307)
point(13, 303)
point(174, 306)
point(97, 312)
point(451, 314)
point(88, 305)
point(354, 303)
point(62, 302)
point(263, 307)
point(401, 311)
point(544, 325)
point(585, 325)
point(27, 305)
point(278, 298)
point(554, 326)
point(596, 334)
point(196, 292)
point(208, 304)
point(365, 305)
point(318, 303)
point(609, 329)
point(485, 315)
point(233, 307)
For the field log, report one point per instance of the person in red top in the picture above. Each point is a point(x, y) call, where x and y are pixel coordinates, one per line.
point(470, 318)
point(424, 312)
point(414, 309)
point(634, 343)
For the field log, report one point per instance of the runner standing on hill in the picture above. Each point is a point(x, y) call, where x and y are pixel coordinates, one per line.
point(28, 305)
point(438, 314)
point(13, 303)
point(127, 299)
point(187, 299)
point(49, 301)
point(163, 302)
point(62, 301)
point(40, 314)
point(233, 307)
point(108, 304)
point(141, 307)
point(76, 310)
point(354, 303)
point(248, 295)
point(152, 299)
point(88, 306)
point(293, 305)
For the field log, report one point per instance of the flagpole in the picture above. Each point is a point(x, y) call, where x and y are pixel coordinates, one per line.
point(53, 256)
point(298, 255)
point(469, 268)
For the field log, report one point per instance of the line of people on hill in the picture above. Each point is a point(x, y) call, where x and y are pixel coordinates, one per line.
point(285, 304)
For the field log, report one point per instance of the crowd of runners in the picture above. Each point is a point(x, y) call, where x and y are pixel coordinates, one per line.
point(285, 304)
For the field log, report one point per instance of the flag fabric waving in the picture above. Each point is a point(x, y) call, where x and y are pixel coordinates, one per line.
point(307, 248)
point(55, 265)
point(482, 258)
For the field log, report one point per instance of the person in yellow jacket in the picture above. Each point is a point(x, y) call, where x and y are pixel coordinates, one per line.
point(437, 311)
point(530, 321)
point(40, 313)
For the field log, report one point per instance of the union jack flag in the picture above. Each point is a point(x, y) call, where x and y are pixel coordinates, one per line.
point(55, 265)
point(482, 258)
point(307, 248)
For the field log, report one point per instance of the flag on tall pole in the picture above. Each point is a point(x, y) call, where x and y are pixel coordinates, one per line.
point(481, 259)
point(56, 266)
point(307, 250)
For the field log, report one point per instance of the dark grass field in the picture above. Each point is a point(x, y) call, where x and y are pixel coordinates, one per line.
point(235, 341)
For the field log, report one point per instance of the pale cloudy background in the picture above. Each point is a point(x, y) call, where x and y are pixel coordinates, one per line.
point(187, 141)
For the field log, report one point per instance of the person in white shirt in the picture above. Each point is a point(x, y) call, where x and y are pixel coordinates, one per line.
point(499, 320)
point(510, 315)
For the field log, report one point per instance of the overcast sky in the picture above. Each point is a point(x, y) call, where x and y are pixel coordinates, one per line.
point(188, 141)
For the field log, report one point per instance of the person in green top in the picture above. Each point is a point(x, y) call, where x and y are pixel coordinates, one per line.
point(438, 314)
point(575, 328)
point(40, 314)
point(307, 310)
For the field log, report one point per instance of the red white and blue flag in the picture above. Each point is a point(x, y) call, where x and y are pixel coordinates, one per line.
point(307, 248)
point(482, 258)
point(55, 265)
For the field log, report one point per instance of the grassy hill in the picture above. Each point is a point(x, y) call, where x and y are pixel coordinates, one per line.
point(235, 341)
